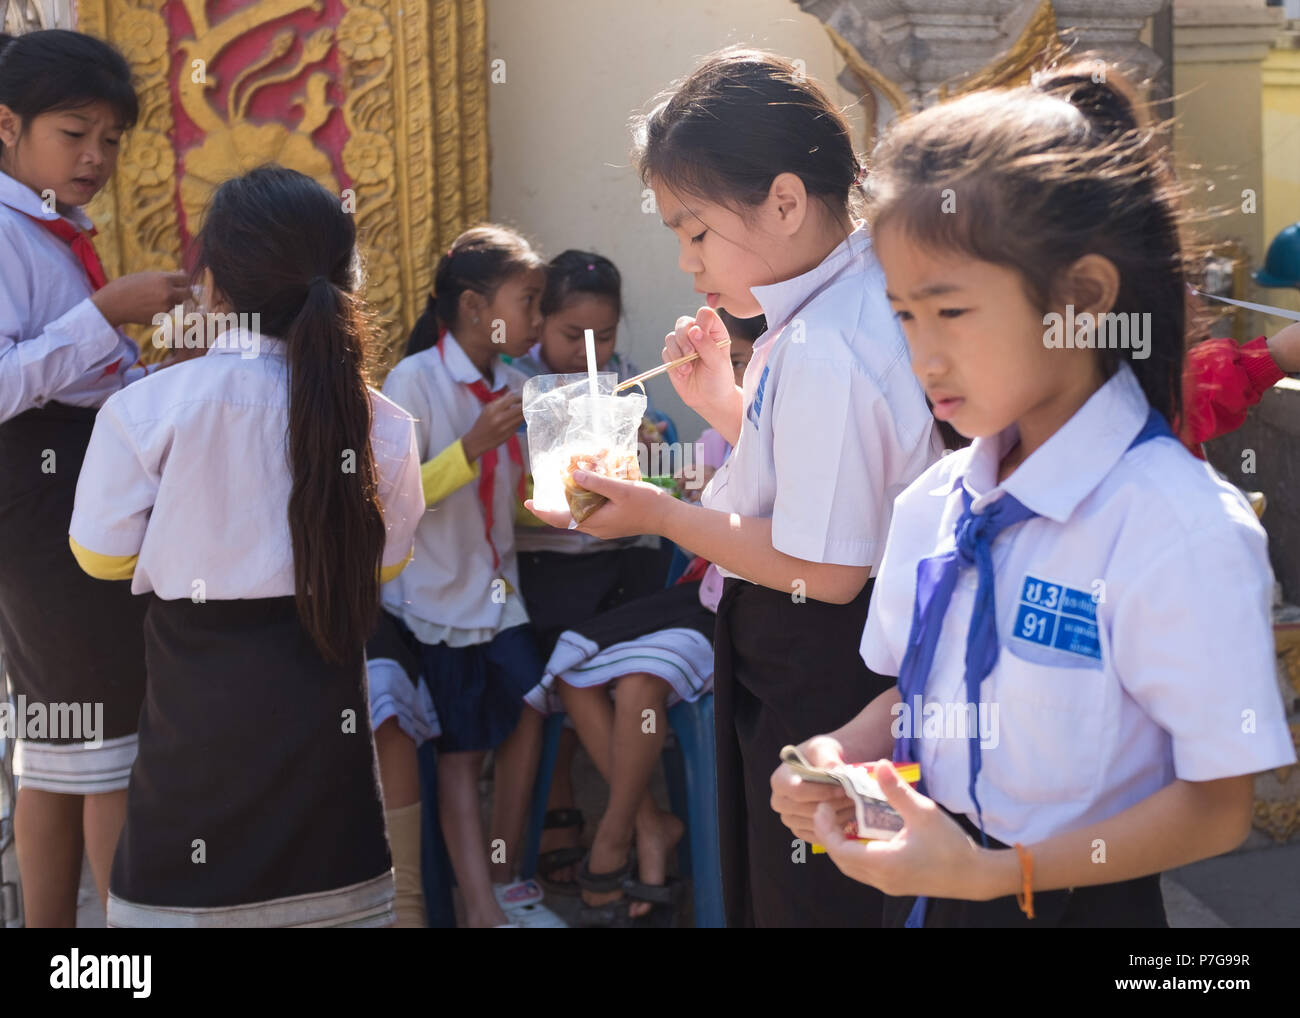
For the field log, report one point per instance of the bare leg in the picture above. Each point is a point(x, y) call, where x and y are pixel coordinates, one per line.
point(625, 744)
point(399, 779)
point(47, 835)
point(103, 816)
point(561, 797)
point(512, 790)
point(462, 828)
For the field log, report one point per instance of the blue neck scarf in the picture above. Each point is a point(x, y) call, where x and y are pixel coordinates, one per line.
point(936, 578)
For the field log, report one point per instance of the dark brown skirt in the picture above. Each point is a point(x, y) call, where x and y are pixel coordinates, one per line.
point(67, 638)
point(784, 672)
point(256, 777)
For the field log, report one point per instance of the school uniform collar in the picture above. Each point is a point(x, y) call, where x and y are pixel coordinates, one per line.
point(1066, 468)
point(232, 341)
point(779, 300)
point(460, 367)
point(22, 198)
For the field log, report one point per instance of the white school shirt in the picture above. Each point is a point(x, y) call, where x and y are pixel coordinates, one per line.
point(1168, 674)
point(835, 424)
point(189, 470)
point(54, 343)
point(449, 594)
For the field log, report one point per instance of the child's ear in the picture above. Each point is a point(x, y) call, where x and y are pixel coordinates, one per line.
point(470, 306)
point(1091, 284)
point(10, 126)
point(788, 201)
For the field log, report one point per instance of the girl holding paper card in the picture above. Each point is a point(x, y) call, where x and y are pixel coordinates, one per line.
point(1116, 580)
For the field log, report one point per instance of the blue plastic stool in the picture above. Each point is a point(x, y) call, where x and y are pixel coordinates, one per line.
point(692, 791)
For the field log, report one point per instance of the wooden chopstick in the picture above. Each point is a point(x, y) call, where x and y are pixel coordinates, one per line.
point(667, 366)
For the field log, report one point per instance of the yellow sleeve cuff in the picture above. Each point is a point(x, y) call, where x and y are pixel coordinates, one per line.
point(103, 567)
point(387, 573)
point(523, 518)
point(447, 472)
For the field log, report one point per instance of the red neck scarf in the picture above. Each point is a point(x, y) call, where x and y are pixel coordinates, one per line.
point(487, 481)
point(81, 244)
point(84, 249)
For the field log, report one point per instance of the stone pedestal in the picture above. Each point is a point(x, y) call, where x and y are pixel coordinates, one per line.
point(923, 44)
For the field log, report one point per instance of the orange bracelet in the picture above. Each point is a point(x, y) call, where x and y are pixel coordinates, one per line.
point(1025, 898)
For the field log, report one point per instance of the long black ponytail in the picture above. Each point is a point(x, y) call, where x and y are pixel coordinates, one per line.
point(279, 245)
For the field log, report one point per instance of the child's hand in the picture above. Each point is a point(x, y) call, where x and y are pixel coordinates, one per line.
point(497, 422)
point(796, 800)
point(710, 381)
point(141, 296)
point(634, 508)
point(931, 855)
point(1284, 348)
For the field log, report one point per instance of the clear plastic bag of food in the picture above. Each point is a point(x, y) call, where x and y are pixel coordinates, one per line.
point(569, 429)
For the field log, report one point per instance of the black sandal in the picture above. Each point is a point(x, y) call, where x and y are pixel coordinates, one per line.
point(663, 898)
point(613, 914)
point(559, 858)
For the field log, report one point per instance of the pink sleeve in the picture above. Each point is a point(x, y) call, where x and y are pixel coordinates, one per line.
point(713, 449)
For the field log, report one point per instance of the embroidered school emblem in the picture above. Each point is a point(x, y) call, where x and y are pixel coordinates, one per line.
point(1054, 615)
point(756, 407)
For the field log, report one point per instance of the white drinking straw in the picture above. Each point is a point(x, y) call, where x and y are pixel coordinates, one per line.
point(590, 337)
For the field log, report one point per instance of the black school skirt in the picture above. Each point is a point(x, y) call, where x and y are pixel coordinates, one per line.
point(784, 671)
point(562, 590)
point(254, 800)
point(67, 639)
point(1128, 904)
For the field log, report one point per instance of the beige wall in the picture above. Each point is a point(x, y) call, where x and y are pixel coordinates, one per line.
point(560, 167)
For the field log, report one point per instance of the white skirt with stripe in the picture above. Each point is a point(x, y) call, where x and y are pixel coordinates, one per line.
point(683, 658)
point(75, 768)
point(363, 905)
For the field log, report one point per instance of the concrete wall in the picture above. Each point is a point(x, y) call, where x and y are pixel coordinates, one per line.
point(1281, 152)
point(576, 70)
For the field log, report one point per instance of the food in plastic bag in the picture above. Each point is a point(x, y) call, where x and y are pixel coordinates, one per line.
point(582, 503)
point(569, 428)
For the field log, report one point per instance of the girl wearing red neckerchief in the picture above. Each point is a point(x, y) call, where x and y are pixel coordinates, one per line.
point(68, 640)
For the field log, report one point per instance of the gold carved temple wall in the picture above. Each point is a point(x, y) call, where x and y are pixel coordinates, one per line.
point(382, 101)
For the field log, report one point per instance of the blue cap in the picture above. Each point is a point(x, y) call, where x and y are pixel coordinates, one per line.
point(1282, 263)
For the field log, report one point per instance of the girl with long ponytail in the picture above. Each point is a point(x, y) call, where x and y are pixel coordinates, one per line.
point(259, 495)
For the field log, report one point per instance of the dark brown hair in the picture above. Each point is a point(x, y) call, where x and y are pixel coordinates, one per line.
point(1042, 175)
point(575, 271)
point(480, 260)
point(54, 69)
point(280, 246)
point(742, 117)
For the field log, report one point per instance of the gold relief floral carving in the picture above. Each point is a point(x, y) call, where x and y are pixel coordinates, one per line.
point(401, 64)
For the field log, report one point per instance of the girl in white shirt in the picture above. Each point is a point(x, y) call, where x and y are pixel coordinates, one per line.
point(752, 168)
point(459, 601)
point(67, 640)
point(259, 494)
point(1104, 688)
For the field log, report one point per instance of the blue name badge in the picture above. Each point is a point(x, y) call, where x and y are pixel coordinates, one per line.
point(1056, 616)
point(756, 407)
